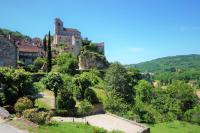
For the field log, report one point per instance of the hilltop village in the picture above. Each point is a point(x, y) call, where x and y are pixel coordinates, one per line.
point(16, 48)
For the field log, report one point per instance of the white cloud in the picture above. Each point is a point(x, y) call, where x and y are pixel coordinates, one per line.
point(137, 50)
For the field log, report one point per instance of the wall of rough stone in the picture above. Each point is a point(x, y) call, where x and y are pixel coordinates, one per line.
point(91, 60)
point(8, 53)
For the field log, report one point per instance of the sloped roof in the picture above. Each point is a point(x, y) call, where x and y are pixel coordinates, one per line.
point(28, 48)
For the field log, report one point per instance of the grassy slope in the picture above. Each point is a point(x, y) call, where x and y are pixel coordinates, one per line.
point(175, 127)
point(66, 128)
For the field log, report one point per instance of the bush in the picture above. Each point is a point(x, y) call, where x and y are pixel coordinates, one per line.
point(39, 62)
point(36, 116)
point(66, 113)
point(39, 86)
point(23, 104)
point(193, 115)
point(65, 101)
point(91, 96)
point(147, 113)
point(84, 108)
point(115, 103)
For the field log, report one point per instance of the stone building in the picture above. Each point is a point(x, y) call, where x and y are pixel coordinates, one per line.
point(8, 53)
point(28, 53)
point(101, 47)
point(70, 38)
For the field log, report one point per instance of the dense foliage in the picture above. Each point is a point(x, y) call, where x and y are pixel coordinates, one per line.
point(23, 104)
point(16, 83)
point(66, 63)
point(37, 116)
point(117, 79)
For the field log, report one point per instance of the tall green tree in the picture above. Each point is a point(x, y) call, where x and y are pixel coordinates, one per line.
point(117, 79)
point(144, 92)
point(82, 83)
point(49, 54)
point(183, 92)
point(54, 82)
point(45, 44)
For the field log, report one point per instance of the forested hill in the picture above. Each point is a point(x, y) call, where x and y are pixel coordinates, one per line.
point(14, 34)
point(169, 64)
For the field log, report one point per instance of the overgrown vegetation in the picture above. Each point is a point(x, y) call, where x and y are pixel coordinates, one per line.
point(123, 91)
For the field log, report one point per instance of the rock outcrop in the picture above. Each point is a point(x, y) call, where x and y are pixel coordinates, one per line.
point(91, 60)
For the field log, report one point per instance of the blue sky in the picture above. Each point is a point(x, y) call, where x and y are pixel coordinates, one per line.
point(133, 30)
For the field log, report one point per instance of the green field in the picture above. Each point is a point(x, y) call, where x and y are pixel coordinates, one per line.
point(175, 127)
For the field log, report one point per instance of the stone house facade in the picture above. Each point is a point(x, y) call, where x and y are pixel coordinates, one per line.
point(28, 53)
point(8, 53)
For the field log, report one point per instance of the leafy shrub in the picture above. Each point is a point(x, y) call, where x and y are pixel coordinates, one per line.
point(65, 101)
point(115, 103)
point(193, 115)
point(38, 63)
point(91, 96)
point(39, 86)
point(66, 113)
point(84, 108)
point(23, 104)
point(66, 63)
point(147, 113)
point(36, 116)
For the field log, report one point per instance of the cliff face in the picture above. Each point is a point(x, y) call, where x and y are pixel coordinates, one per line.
point(89, 60)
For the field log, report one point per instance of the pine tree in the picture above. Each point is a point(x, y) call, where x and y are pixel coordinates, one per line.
point(49, 54)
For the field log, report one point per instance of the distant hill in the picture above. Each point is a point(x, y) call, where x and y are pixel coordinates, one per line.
point(171, 63)
point(13, 34)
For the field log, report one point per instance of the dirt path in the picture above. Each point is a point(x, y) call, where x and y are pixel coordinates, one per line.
point(47, 97)
point(107, 122)
point(6, 128)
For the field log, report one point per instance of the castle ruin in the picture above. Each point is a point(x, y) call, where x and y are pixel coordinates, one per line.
point(70, 38)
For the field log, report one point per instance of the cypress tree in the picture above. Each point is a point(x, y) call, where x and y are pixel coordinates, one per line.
point(49, 54)
point(45, 45)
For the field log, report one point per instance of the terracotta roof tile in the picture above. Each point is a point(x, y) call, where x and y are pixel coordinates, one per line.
point(31, 49)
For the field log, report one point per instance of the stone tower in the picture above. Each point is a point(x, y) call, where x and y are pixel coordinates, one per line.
point(58, 25)
point(71, 38)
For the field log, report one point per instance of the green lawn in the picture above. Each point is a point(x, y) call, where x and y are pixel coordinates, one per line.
point(40, 103)
point(67, 128)
point(175, 127)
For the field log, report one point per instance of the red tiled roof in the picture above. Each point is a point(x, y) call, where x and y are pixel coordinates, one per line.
point(100, 44)
point(31, 49)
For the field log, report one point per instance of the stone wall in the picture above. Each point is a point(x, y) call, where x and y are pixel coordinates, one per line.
point(145, 129)
point(8, 53)
point(91, 60)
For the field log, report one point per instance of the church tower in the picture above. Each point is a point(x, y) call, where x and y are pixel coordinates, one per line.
point(58, 26)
